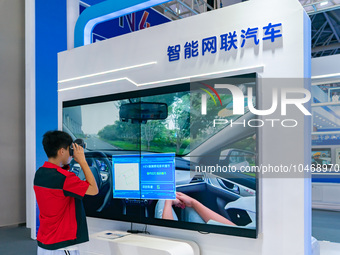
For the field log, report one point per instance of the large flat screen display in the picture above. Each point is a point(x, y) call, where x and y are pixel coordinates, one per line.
point(171, 156)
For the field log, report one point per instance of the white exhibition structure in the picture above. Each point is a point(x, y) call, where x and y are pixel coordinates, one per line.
point(139, 61)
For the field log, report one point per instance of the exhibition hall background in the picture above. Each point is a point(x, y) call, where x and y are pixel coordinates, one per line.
point(13, 106)
point(12, 112)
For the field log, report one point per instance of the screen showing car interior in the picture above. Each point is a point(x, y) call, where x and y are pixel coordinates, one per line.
point(146, 176)
point(172, 156)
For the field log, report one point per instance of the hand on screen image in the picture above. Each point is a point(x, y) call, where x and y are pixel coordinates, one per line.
point(182, 200)
point(167, 210)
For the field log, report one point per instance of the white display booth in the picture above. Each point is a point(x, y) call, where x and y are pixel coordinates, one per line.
point(139, 61)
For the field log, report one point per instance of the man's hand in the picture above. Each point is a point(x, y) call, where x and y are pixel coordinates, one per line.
point(79, 156)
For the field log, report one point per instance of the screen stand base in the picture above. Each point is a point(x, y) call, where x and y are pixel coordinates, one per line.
point(123, 243)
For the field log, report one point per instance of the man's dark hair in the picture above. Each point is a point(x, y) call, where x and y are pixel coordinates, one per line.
point(55, 140)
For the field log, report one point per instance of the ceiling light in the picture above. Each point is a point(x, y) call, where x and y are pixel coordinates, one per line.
point(324, 3)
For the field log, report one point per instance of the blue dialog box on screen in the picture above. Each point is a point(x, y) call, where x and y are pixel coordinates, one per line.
point(144, 176)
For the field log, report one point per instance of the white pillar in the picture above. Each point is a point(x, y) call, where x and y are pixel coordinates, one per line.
point(30, 114)
point(72, 16)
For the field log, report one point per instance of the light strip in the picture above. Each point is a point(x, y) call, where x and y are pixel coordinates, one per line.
point(326, 104)
point(326, 76)
point(162, 81)
point(326, 133)
point(99, 83)
point(109, 71)
point(84, 4)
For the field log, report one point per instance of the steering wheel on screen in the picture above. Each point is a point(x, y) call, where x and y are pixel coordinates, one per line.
point(90, 158)
point(94, 169)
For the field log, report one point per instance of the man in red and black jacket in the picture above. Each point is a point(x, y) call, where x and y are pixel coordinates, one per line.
point(59, 196)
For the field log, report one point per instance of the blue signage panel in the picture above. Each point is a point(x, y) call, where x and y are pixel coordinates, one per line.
point(126, 24)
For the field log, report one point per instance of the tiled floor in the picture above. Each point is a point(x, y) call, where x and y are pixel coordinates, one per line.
point(17, 241)
point(328, 248)
point(325, 227)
